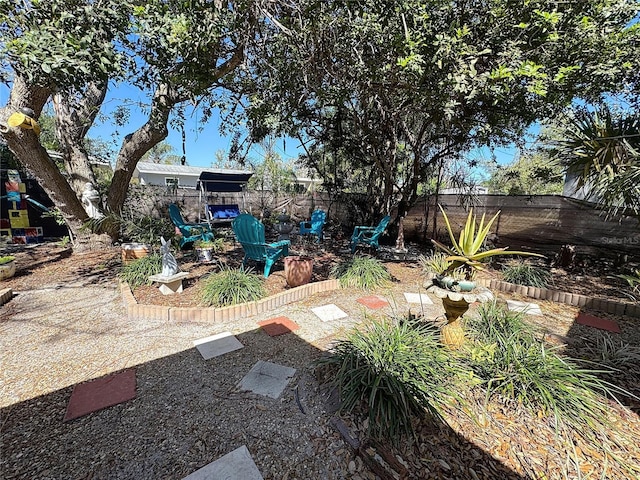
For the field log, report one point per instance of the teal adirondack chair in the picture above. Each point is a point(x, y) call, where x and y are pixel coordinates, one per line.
point(190, 231)
point(368, 235)
point(249, 231)
point(314, 227)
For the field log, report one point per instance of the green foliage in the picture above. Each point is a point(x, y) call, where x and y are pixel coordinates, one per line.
point(632, 280)
point(147, 229)
point(468, 252)
point(436, 263)
point(7, 259)
point(602, 150)
point(361, 272)
point(533, 173)
point(522, 272)
point(137, 272)
point(230, 287)
point(216, 245)
point(515, 364)
point(394, 370)
point(606, 350)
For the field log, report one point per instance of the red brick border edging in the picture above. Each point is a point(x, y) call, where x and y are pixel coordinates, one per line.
point(215, 315)
point(601, 304)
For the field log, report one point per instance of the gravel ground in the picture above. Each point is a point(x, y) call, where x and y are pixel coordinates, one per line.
point(66, 325)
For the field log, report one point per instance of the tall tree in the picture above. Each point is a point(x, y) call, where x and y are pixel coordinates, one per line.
point(71, 51)
point(532, 173)
point(393, 88)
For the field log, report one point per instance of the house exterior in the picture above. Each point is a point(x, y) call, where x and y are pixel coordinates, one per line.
point(173, 176)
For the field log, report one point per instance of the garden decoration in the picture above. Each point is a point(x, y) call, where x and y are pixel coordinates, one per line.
point(25, 120)
point(283, 226)
point(7, 267)
point(170, 279)
point(206, 248)
point(91, 201)
point(455, 285)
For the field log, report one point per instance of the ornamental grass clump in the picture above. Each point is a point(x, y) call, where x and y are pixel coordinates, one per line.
point(522, 272)
point(361, 272)
point(395, 371)
point(230, 287)
point(514, 363)
point(137, 272)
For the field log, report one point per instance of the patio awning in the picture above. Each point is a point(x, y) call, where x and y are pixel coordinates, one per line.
point(223, 182)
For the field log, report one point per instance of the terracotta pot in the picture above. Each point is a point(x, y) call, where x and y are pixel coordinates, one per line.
point(7, 270)
point(298, 270)
point(133, 251)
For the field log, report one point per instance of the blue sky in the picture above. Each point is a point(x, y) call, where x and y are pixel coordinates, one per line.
point(202, 141)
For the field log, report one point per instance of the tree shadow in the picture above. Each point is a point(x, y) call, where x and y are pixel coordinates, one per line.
point(188, 412)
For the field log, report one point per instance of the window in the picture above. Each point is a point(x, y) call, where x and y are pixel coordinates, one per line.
point(172, 184)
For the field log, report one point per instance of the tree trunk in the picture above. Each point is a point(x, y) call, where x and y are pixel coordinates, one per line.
point(26, 146)
point(73, 119)
point(136, 144)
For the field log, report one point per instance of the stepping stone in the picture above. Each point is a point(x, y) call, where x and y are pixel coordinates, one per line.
point(278, 326)
point(101, 393)
point(266, 378)
point(329, 312)
point(373, 302)
point(422, 298)
point(236, 465)
point(597, 322)
point(524, 307)
point(217, 345)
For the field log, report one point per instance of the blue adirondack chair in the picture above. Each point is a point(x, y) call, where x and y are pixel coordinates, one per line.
point(190, 231)
point(368, 235)
point(249, 231)
point(314, 227)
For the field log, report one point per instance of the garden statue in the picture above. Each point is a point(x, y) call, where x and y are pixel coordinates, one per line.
point(169, 263)
point(91, 200)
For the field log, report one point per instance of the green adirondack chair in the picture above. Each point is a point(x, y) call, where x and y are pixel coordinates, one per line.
point(314, 227)
point(368, 235)
point(190, 231)
point(249, 231)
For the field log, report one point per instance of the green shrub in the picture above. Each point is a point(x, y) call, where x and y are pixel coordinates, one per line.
point(230, 287)
point(436, 263)
point(395, 371)
point(361, 272)
point(137, 273)
point(7, 259)
point(514, 363)
point(522, 272)
point(216, 245)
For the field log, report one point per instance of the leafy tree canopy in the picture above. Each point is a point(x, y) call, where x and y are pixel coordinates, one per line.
point(532, 173)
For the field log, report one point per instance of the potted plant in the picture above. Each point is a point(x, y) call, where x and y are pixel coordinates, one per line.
point(206, 248)
point(7, 267)
point(298, 269)
point(456, 284)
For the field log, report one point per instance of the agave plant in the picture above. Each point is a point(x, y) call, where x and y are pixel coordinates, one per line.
point(466, 253)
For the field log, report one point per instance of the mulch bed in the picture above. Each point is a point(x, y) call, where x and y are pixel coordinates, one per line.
point(492, 440)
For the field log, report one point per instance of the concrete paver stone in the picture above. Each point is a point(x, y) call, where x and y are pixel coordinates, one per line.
point(235, 465)
point(524, 307)
point(329, 312)
point(422, 298)
point(217, 345)
point(266, 378)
